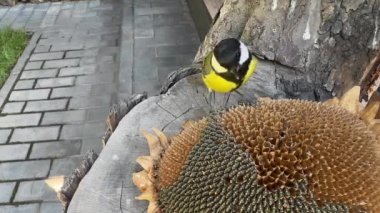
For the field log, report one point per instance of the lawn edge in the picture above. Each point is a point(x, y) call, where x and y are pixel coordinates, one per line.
point(16, 70)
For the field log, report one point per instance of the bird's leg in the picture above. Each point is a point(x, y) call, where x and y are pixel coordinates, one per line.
point(214, 99)
point(211, 96)
point(251, 99)
point(226, 99)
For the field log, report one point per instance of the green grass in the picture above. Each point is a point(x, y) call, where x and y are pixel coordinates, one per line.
point(12, 44)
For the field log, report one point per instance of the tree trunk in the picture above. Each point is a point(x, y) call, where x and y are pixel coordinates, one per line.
point(316, 49)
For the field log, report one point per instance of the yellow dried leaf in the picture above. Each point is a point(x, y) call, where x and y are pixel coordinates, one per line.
point(145, 162)
point(153, 143)
point(141, 180)
point(350, 100)
point(163, 139)
point(333, 101)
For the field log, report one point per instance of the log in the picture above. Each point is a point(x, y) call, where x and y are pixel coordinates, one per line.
point(71, 182)
point(108, 185)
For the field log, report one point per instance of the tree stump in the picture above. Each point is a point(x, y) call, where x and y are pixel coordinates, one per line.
point(108, 186)
point(319, 48)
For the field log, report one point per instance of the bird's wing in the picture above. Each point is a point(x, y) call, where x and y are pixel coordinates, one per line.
point(207, 64)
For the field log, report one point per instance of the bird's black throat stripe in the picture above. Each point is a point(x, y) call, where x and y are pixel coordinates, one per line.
point(236, 75)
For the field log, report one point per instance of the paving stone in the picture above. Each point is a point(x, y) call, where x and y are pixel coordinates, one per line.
point(103, 43)
point(111, 37)
point(163, 72)
point(104, 30)
point(55, 149)
point(19, 120)
point(24, 170)
point(35, 190)
point(73, 62)
point(68, 5)
point(75, 54)
point(53, 40)
point(167, 61)
point(6, 190)
point(174, 50)
point(98, 114)
point(27, 95)
point(72, 131)
point(94, 130)
point(152, 88)
point(42, 48)
point(90, 102)
point(34, 65)
point(93, 143)
point(83, 70)
point(11, 15)
point(67, 46)
point(143, 26)
point(24, 84)
point(48, 105)
point(171, 9)
point(145, 72)
point(144, 33)
point(171, 19)
point(64, 17)
point(65, 166)
point(25, 208)
point(3, 11)
point(64, 117)
point(55, 82)
point(103, 89)
point(4, 135)
point(51, 207)
point(90, 61)
point(47, 73)
point(145, 52)
point(35, 134)
point(75, 91)
point(13, 107)
point(143, 11)
point(46, 56)
point(98, 78)
point(13, 152)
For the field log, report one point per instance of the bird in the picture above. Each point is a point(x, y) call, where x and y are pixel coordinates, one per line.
point(228, 66)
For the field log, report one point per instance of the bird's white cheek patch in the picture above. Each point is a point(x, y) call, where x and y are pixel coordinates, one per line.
point(244, 53)
point(218, 68)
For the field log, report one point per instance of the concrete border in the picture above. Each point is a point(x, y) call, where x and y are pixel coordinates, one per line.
point(125, 75)
point(201, 16)
point(16, 71)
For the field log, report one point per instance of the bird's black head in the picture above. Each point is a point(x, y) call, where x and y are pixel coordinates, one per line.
point(227, 53)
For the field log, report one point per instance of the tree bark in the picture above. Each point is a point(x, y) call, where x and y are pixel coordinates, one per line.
point(318, 48)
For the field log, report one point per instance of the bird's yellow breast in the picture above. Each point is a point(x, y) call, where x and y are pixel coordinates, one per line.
point(215, 82)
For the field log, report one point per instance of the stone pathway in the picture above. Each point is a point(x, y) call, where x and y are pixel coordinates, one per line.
point(160, 37)
point(85, 56)
point(56, 110)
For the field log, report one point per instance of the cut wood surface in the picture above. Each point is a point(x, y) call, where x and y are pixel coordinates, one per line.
point(108, 186)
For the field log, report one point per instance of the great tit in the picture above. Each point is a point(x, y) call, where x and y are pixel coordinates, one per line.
point(228, 66)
